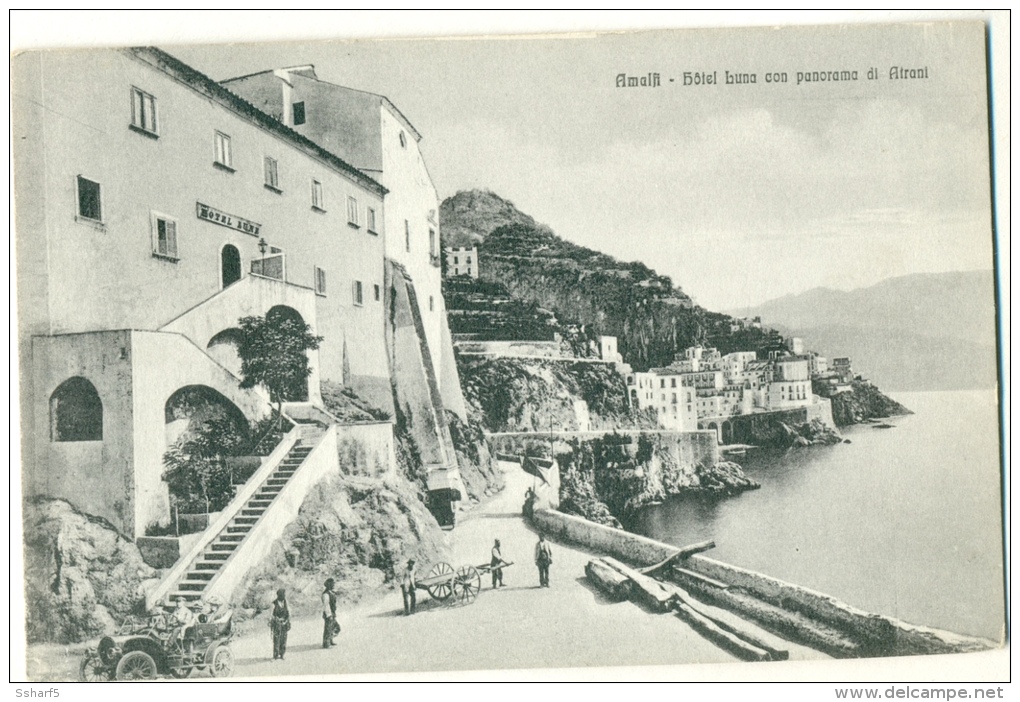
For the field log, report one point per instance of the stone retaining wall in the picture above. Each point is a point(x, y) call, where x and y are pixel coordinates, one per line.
point(897, 637)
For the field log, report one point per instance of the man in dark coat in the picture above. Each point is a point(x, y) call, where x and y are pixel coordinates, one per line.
point(329, 627)
point(543, 558)
point(280, 624)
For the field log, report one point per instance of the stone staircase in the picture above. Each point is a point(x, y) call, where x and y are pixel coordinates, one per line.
point(214, 557)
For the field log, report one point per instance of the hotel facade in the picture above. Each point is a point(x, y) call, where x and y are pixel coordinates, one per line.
point(154, 208)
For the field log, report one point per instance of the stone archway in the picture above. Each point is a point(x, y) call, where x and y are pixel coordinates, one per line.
point(281, 313)
point(189, 409)
point(76, 412)
point(223, 348)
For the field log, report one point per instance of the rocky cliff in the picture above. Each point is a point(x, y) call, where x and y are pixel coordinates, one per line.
point(539, 394)
point(863, 402)
point(607, 479)
point(82, 578)
point(358, 530)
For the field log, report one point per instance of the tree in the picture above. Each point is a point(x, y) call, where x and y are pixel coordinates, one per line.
point(274, 354)
point(195, 471)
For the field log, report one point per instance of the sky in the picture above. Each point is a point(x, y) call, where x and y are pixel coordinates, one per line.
point(740, 193)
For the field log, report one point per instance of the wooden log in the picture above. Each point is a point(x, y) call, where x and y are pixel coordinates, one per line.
point(611, 582)
point(685, 552)
point(682, 597)
point(643, 589)
point(703, 579)
point(719, 636)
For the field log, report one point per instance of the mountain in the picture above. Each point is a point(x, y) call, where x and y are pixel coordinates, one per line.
point(470, 215)
point(651, 317)
point(931, 331)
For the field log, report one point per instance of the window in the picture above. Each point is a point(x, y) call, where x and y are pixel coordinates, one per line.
point(469, 259)
point(378, 292)
point(320, 281)
point(164, 236)
point(76, 412)
point(352, 211)
point(143, 111)
point(272, 174)
point(432, 303)
point(299, 113)
point(371, 220)
point(455, 261)
point(403, 141)
point(224, 158)
point(90, 200)
point(407, 235)
point(358, 294)
point(318, 203)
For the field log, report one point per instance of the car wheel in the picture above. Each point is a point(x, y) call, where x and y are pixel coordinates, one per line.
point(181, 672)
point(222, 665)
point(92, 669)
point(136, 665)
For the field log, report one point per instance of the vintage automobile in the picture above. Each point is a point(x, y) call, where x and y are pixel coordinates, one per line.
point(160, 646)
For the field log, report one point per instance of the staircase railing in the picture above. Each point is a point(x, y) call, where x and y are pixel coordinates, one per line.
point(229, 512)
point(282, 511)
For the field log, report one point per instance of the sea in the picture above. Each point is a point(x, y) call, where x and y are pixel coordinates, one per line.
point(903, 521)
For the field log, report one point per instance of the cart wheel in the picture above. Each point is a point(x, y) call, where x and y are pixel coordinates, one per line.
point(136, 665)
point(443, 589)
point(467, 584)
point(222, 665)
point(181, 672)
point(92, 669)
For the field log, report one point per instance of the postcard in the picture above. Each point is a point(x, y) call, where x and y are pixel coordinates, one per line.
point(667, 350)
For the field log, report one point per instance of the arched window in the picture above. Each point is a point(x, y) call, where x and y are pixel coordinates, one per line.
point(230, 264)
point(76, 412)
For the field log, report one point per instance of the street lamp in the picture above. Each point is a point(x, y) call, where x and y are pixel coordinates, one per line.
point(263, 246)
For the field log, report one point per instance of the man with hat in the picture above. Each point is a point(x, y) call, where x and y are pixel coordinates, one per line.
point(407, 586)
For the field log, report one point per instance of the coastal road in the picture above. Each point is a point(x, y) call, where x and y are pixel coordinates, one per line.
point(518, 626)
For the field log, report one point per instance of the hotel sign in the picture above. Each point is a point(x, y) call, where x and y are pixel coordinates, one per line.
point(211, 214)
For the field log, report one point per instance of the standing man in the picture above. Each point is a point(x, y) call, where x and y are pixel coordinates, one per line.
point(329, 626)
point(543, 557)
point(280, 624)
point(407, 586)
point(496, 564)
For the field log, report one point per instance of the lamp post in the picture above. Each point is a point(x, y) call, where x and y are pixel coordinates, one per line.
point(263, 246)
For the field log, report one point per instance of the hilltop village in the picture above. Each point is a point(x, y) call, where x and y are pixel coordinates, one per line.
point(158, 209)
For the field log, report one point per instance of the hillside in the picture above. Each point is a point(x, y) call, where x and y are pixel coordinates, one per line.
point(651, 317)
point(469, 216)
point(917, 332)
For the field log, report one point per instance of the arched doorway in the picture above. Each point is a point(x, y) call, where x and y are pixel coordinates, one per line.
point(223, 349)
point(198, 409)
point(230, 264)
point(282, 314)
point(76, 412)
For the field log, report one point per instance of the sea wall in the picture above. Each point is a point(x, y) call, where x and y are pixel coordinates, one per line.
point(880, 633)
point(630, 548)
point(889, 635)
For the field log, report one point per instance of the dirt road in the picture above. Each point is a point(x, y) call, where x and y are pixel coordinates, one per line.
point(518, 626)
